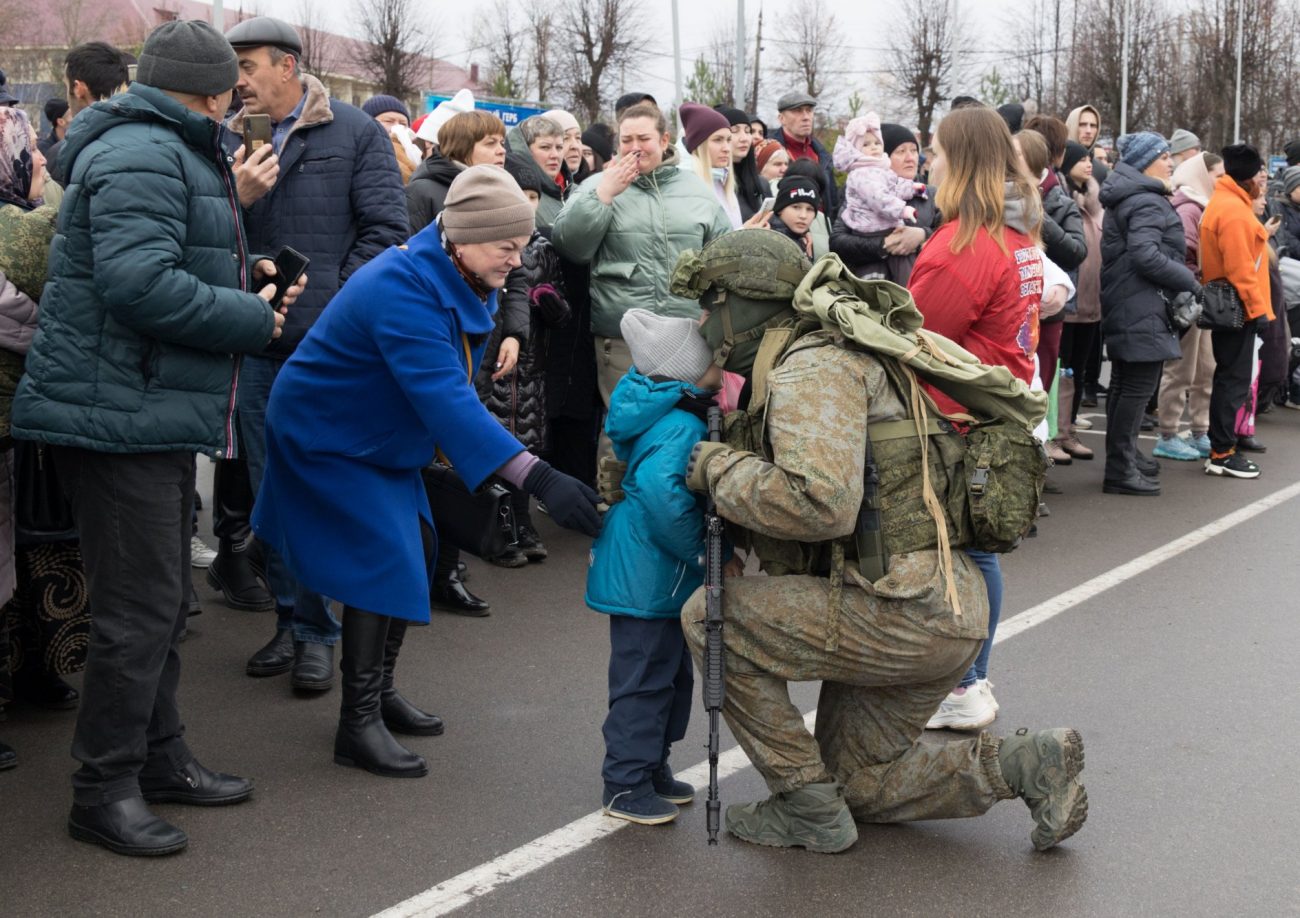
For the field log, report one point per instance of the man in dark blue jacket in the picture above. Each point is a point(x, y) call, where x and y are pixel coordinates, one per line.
point(129, 375)
point(327, 185)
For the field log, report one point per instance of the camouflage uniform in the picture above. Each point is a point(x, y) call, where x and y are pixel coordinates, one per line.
point(888, 653)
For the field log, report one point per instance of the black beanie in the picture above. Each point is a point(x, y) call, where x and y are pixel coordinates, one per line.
point(55, 109)
point(733, 115)
point(795, 189)
point(1292, 151)
point(524, 171)
point(894, 136)
point(1013, 113)
point(600, 139)
point(1074, 153)
point(1241, 161)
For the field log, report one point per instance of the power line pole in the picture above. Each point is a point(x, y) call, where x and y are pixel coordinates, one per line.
point(758, 51)
point(738, 83)
point(1123, 83)
point(218, 16)
point(1236, 120)
point(677, 55)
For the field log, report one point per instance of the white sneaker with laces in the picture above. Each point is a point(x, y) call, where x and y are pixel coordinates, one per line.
point(971, 710)
point(200, 554)
point(986, 687)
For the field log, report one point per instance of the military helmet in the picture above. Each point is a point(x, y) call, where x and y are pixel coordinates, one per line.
point(746, 280)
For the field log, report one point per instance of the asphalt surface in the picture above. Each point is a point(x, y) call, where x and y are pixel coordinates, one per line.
point(1181, 680)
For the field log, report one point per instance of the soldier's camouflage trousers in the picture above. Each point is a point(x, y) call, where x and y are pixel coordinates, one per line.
point(899, 652)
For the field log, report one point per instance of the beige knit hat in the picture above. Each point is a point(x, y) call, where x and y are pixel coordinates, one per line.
point(484, 204)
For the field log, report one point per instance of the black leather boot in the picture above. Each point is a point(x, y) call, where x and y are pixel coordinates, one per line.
point(400, 715)
point(362, 740)
point(126, 827)
point(234, 574)
point(450, 595)
point(8, 758)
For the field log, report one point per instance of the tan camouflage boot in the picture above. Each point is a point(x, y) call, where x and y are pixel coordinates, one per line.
point(1042, 768)
point(814, 817)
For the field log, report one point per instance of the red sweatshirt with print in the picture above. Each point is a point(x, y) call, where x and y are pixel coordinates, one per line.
point(984, 299)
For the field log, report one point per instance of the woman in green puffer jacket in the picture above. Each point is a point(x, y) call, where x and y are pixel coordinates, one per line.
point(630, 223)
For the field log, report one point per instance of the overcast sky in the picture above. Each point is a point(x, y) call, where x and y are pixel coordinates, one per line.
point(865, 25)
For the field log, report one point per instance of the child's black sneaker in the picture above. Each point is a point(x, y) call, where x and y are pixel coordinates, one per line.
point(643, 807)
point(670, 789)
point(1234, 464)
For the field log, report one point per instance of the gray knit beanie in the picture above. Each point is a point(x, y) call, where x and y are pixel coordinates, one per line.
point(484, 204)
point(1182, 141)
point(188, 56)
point(665, 346)
point(1291, 179)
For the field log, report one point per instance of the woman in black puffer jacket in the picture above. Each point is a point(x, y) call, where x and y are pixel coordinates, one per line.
point(531, 304)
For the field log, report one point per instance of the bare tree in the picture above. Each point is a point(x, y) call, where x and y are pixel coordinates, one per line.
point(320, 47)
point(542, 41)
point(81, 20)
point(395, 47)
point(812, 48)
point(924, 59)
point(505, 40)
point(602, 35)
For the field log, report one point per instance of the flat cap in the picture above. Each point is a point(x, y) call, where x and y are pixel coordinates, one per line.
point(261, 31)
point(794, 100)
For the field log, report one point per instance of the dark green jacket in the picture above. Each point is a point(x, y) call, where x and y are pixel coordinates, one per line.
point(145, 304)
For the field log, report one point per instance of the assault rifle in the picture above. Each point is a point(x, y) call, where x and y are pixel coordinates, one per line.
point(715, 688)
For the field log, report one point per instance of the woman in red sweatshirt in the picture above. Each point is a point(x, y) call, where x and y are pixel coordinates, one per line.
point(979, 282)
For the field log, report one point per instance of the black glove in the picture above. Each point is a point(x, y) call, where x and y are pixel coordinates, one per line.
point(570, 502)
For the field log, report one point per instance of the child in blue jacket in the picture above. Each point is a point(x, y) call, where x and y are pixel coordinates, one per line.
point(649, 560)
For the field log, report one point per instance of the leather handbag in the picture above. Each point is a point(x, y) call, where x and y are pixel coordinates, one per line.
point(41, 511)
point(480, 522)
point(1222, 309)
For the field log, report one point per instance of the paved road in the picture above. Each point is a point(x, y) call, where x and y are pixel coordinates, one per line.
point(1181, 679)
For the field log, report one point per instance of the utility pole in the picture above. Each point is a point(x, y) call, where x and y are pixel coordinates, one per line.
point(218, 16)
point(1236, 120)
point(738, 83)
point(677, 55)
point(758, 51)
point(1123, 83)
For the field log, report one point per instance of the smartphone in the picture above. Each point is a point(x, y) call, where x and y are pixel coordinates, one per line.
point(290, 264)
point(767, 205)
point(257, 131)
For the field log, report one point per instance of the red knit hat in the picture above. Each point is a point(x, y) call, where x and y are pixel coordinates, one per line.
point(698, 123)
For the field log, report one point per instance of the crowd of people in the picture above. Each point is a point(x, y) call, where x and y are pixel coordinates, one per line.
point(552, 308)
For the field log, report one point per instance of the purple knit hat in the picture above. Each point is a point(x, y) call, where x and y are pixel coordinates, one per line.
point(698, 122)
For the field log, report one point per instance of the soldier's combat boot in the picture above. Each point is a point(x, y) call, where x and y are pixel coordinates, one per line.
point(1043, 768)
point(814, 817)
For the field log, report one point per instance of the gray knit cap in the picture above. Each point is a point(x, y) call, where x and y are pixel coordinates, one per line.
point(665, 346)
point(1291, 179)
point(188, 56)
point(1182, 141)
point(484, 204)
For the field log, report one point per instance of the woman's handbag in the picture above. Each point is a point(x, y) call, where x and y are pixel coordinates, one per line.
point(480, 522)
point(1222, 309)
point(41, 512)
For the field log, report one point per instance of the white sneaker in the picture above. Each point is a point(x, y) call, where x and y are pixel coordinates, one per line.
point(1083, 424)
point(971, 710)
point(986, 687)
point(200, 554)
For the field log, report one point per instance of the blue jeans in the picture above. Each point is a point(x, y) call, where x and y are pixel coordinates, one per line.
point(650, 684)
point(305, 613)
point(987, 562)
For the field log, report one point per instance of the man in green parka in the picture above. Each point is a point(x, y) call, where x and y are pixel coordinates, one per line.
point(133, 369)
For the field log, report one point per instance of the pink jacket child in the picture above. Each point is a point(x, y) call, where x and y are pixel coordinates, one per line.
point(875, 199)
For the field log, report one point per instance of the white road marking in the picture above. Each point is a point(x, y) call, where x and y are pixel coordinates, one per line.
point(541, 852)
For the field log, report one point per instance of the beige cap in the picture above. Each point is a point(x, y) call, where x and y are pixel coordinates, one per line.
point(485, 204)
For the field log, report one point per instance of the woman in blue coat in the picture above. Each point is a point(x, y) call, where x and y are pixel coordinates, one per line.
point(380, 383)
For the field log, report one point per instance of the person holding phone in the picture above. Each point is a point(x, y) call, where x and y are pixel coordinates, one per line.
point(133, 369)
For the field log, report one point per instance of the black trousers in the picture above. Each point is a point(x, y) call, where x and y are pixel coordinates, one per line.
point(232, 500)
point(1077, 342)
point(133, 513)
point(1234, 353)
point(1131, 386)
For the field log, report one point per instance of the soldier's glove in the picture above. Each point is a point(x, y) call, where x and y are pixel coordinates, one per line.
point(609, 479)
point(701, 455)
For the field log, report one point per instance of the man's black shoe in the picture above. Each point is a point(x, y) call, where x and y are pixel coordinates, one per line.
point(1134, 485)
point(46, 691)
point(530, 543)
point(1250, 445)
point(451, 596)
point(234, 574)
point(196, 786)
point(8, 758)
point(275, 658)
point(462, 571)
point(126, 827)
point(313, 666)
